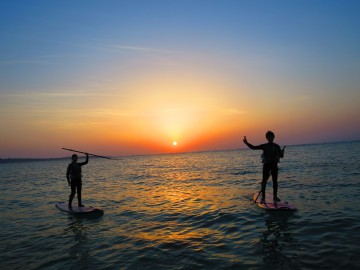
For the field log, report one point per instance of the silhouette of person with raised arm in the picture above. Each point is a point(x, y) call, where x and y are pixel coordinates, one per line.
point(73, 176)
point(270, 158)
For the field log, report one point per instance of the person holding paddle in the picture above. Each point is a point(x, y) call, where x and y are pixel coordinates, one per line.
point(271, 157)
point(73, 176)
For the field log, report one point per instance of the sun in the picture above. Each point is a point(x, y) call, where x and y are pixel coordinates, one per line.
point(174, 143)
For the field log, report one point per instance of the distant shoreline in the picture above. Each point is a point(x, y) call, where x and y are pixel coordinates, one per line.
point(16, 160)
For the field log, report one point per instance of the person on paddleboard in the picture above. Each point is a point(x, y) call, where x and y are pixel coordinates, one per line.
point(73, 176)
point(270, 158)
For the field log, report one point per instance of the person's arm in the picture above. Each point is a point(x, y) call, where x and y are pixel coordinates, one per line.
point(68, 174)
point(86, 161)
point(253, 147)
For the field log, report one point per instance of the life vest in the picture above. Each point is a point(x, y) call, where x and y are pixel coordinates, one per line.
point(271, 154)
point(74, 171)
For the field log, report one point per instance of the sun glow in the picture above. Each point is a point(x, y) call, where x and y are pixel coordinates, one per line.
point(174, 143)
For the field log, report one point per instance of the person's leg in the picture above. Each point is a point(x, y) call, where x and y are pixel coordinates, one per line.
point(274, 173)
point(266, 175)
point(73, 191)
point(79, 187)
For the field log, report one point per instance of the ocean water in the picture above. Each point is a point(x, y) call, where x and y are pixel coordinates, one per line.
point(185, 211)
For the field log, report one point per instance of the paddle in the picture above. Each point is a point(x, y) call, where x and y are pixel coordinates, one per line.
point(257, 196)
point(72, 150)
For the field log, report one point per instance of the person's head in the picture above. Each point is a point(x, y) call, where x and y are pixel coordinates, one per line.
point(74, 157)
point(270, 136)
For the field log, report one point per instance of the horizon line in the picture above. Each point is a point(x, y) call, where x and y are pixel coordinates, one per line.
point(25, 159)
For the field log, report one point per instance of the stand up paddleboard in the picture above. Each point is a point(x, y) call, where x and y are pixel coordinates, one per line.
point(78, 211)
point(272, 206)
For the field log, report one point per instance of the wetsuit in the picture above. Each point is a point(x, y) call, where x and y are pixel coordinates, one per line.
point(271, 156)
point(73, 175)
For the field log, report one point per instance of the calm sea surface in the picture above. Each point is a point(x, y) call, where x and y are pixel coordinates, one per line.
point(185, 211)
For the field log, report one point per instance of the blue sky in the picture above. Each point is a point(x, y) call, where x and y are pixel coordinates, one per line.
point(319, 35)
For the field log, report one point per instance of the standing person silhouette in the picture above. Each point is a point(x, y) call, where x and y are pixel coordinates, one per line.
point(271, 157)
point(73, 176)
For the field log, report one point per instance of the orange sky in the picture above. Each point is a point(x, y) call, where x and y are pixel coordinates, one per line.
point(117, 85)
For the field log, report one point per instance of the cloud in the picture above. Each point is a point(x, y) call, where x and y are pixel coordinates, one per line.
point(136, 48)
point(30, 61)
point(41, 59)
point(48, 94)
point(67, 94)
point(120, 48)
point(233, 111)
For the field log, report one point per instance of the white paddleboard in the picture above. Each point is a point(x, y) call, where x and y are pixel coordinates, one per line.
point(86, 210)
point(270, 205)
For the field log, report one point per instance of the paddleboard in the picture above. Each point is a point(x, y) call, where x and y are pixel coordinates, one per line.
point(272, 206)
point(78, 211)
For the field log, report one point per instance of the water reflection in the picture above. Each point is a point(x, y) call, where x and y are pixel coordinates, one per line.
point(278, 244)
point(79, 249)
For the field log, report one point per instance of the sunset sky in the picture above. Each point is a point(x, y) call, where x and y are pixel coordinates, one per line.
point(132, 77)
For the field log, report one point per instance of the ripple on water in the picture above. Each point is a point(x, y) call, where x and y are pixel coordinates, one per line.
point(188, 211)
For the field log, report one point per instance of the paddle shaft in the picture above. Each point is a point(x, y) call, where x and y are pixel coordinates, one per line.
point(262, 187)
point(257, 196)
point(72, 150)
